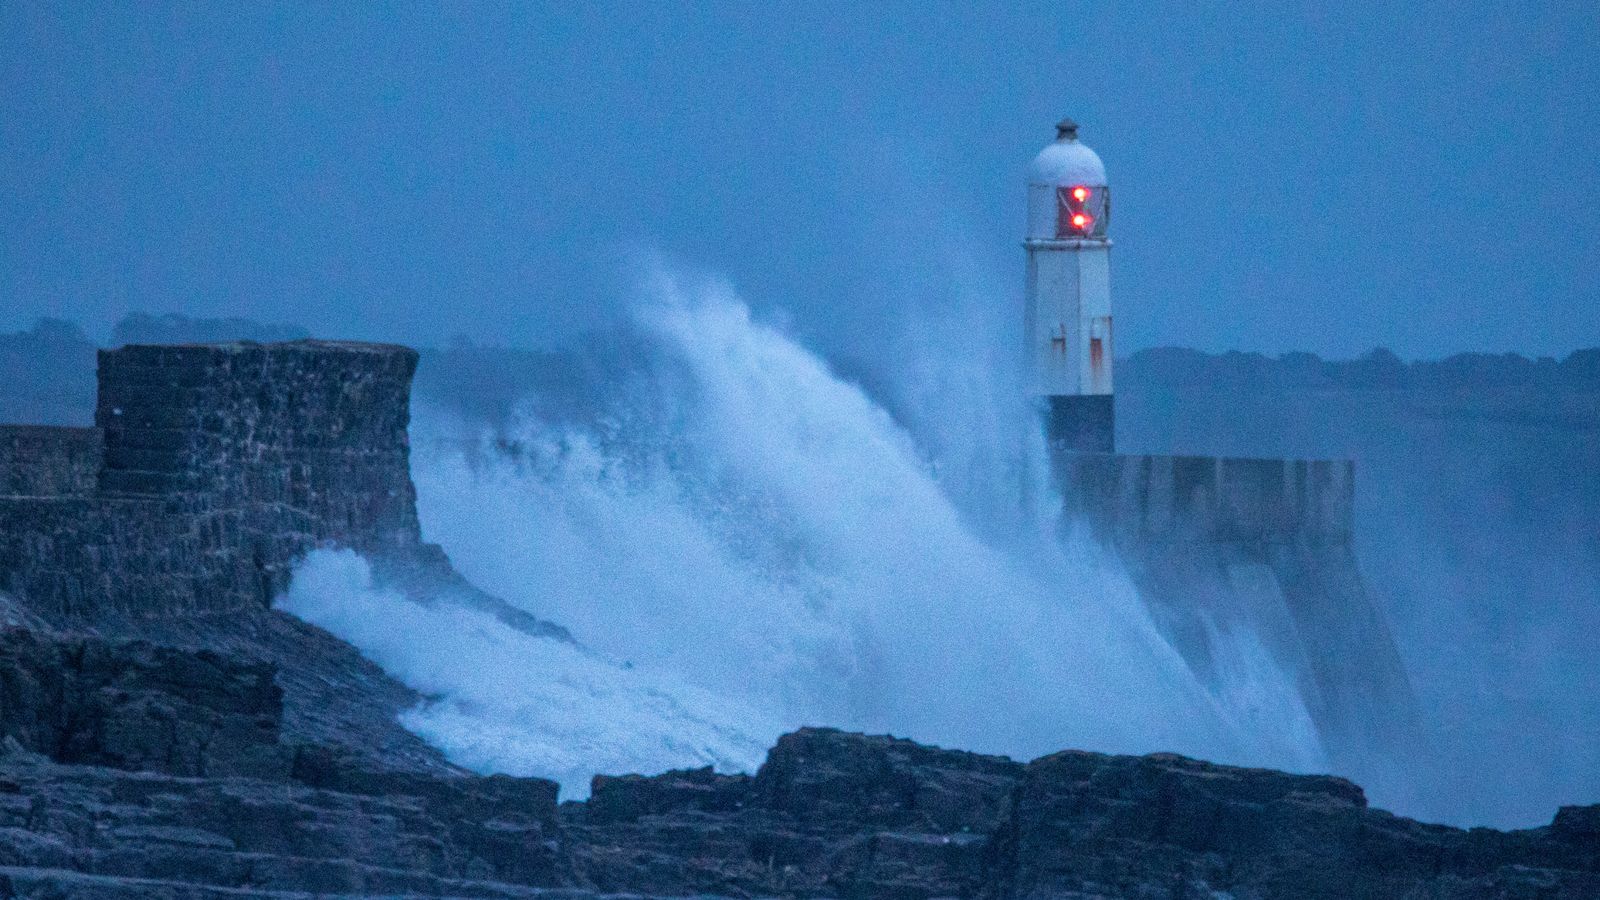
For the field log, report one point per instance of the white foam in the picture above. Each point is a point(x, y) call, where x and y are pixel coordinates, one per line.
point(503, 701)
point(767, 538)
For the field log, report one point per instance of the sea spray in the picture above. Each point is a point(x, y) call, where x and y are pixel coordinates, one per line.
point(760, 535)
point(500, 700)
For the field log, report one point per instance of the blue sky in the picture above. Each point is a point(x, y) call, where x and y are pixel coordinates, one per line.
point(1287, 176)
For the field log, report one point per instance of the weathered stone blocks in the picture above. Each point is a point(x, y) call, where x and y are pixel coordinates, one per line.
point(48, 461)
point(210, 470)
point(1203, 498)
point(1261, 547)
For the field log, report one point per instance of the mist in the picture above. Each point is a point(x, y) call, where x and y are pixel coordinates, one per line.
point(1476, 512)
point(503, 701)
point(700, 497)
point(737, 521)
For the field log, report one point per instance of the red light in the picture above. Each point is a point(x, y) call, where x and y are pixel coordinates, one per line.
point(1080, 221)
point(1080, 193)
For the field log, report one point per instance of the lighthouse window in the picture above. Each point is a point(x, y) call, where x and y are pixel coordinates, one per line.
point(1081, 211)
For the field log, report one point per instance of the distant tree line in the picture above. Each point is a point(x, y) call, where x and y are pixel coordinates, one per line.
point(47, 371)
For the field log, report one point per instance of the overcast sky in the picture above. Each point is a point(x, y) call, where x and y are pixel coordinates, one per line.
point(1322, 177)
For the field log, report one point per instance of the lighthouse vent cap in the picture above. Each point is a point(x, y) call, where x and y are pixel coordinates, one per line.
point(1067, 161)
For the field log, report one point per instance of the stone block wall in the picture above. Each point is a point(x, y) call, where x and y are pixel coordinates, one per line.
point(1263, 548)
point(211, 469)
point(315, 428)
point(1188, 498)
point(48, 461)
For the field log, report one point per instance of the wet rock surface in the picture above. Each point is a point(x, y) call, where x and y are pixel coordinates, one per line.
point(331, 694)
point(132, 770)
point(139, 706)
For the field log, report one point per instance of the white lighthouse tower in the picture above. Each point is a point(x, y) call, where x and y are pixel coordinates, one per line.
point(1068, 324)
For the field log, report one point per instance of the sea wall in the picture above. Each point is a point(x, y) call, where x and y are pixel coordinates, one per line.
point(1203, 498)
point(1238, 550)
point(48, 460)
point(314, 429)
point(210, 470)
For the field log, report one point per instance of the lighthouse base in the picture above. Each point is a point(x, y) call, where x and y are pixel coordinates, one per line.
point(1084, 423)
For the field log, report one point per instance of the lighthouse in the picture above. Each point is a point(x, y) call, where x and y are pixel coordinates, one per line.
point(1215, 545)
point(1068, 308)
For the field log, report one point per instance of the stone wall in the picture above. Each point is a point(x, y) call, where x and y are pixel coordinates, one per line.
point(48, 461)
point(1231, 549)
point(1187, 498)
point(314, 429)
point(102, 559)
point(211, 469)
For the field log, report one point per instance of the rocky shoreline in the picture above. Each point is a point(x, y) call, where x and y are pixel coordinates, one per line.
point(136, 770)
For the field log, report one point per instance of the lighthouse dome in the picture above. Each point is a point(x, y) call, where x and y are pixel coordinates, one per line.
point(1067, 161)
point(1067, 193)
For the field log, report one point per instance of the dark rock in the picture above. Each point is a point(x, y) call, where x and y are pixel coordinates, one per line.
point(821, 775)
point(137, 706)
point(1087, 824)
point(627, 798)
point(830, 814)
point(331, 694)
point(164, 767)
point(261, 835)
point(835, 814)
